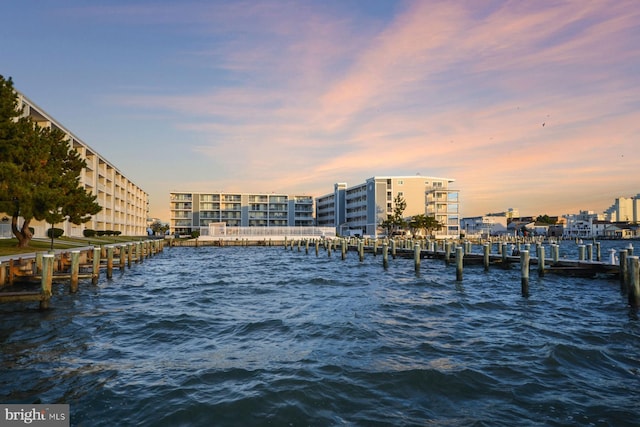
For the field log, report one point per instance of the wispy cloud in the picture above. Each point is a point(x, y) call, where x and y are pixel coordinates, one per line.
point(535, 98)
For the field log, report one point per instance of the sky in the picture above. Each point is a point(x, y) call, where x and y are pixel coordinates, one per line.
point(533, 105)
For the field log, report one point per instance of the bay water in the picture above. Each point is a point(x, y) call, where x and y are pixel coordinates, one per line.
point(253, 336)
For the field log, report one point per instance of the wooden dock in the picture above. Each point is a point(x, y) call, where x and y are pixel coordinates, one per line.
point(18, 275)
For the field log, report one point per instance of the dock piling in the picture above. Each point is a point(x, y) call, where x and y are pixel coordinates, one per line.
point(486, 249)
point(75, 271)
point(385, 255)
point(524, 264)
point(96, 265)
point(46, 280)
point(624, 272)
point(459, 263)
point(634, 281)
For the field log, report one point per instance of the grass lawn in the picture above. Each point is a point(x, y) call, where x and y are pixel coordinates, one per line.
point(10, 246)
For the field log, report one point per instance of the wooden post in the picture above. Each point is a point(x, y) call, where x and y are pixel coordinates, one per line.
point(447, 252)
point(306, 247)
point(375, 247)
point(299, 245)
point(485, 250)
point(343, 247)
point(361, 250)
point(385, 255)
point(459, 263)
point(541, 260)
point(624, 272)
point(598, 255)
point(416, 257)
point(555, 252)
point(524, 266)
point(317, 247)
point(75, 270)
point(634, 281)
point(589, 252)
point(109, 262)
point(123, 252)
point(3, 274)
point(393, 248)
point(45, 281)
point(12, 273)
point(96, 265)
point(129, 254)
point(329, 250)
point(38, 262)
point(581, 252)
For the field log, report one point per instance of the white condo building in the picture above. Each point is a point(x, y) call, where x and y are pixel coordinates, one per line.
point(196, 211)
point(360, 209)
point(624, 209)
point(124, 204)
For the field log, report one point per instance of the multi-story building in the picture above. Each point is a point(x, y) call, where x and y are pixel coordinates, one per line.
point(361, 209)
point(192, 211)
point(580, 225)
point(624, 209)
point(124, 204)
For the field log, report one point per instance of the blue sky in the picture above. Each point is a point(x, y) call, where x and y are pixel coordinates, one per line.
point(527, 104)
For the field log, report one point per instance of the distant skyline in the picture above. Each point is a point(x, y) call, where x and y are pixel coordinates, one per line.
point(533, 105)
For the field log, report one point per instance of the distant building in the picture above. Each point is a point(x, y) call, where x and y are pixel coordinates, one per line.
point(624, 209)
point(486, 225)
point(360, 209)
point(191, 211)
point(124, 204)
point(580, 225)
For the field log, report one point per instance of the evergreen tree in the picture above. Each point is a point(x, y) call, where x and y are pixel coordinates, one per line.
point(39, 171)
point(395, 221)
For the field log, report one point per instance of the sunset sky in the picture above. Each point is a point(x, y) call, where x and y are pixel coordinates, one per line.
point(533, 105)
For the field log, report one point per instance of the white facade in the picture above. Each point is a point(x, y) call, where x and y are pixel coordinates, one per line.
point(124, 204)
point(624, 209)
point(487, 225)
point(580, 225)
point(191, 211)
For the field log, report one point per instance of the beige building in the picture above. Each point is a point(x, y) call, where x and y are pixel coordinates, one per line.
point(124, 204)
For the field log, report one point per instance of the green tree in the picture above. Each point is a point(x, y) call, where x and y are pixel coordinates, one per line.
point(546, 219)
point(395, 221)
point(39, 172)
point(159, 228)
point(426, 223)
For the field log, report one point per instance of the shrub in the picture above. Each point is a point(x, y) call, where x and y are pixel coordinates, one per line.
point(195, 234)
point(89, 233)
point(100, 233)
point(57, 232)
point(117, 233)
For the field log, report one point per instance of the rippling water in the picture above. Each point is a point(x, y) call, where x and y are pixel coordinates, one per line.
point(267, 336)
